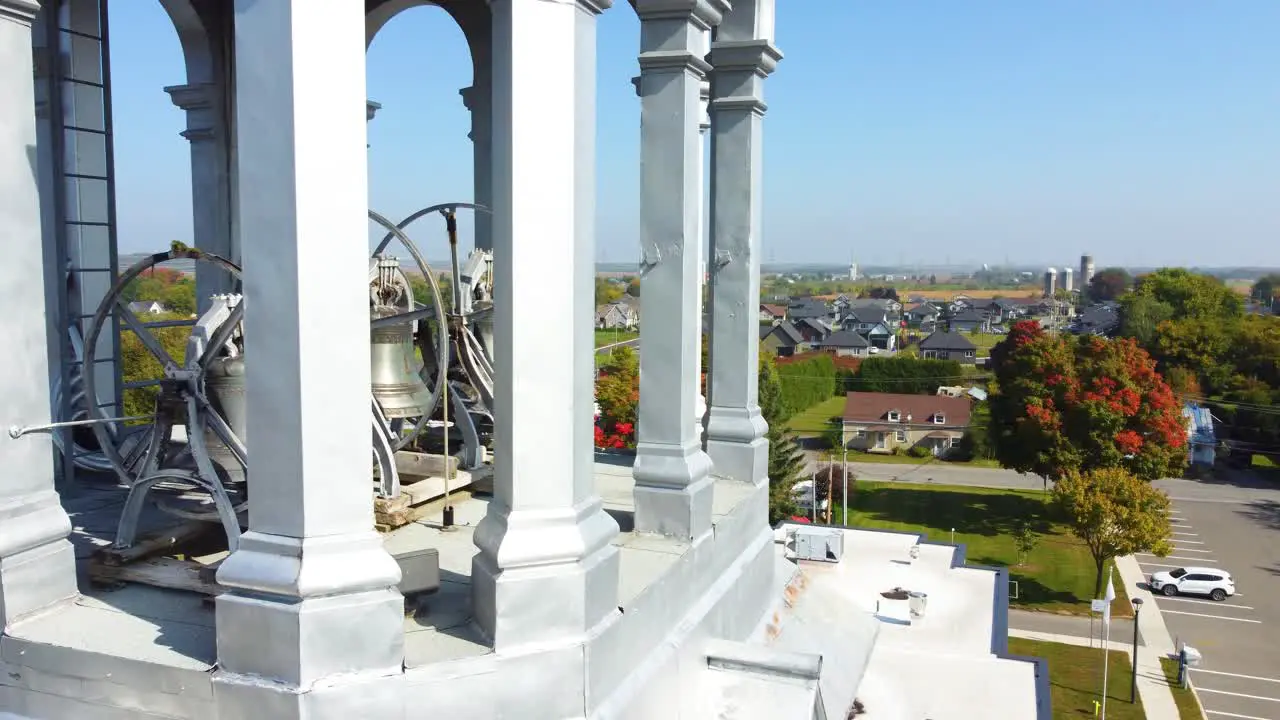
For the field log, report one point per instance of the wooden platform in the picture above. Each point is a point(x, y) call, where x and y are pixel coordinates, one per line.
point(183, 557)
point(422, 490)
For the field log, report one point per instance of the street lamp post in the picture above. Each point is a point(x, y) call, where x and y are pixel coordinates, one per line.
point(1133, 687)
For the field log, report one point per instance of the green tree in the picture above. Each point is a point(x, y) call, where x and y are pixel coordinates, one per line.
point(1025, 540)
point(1140, 315)
point(1114, 514)
point(137, 364)
point(1190, 295)
point(179, 298)
point(1265, 288)
point(1064, 405)
point(786, 461)
point(607, 290)
point(1109, 284)
point(633, 287)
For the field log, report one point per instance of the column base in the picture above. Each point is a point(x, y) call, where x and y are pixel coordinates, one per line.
point(304, 610)
point(35, 579)
point(737, 445)
point(243, 698)
point(673, 490)
point(544, 576)
point(37, 563)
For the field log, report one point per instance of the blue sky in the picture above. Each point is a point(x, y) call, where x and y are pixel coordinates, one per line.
point(1144, 132)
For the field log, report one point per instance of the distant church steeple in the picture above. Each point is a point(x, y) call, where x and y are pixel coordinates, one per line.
point(853, 272)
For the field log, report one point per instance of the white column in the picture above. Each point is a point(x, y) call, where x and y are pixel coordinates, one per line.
point(704, 124)
point(210, 183)
point(37, 564)
point(546, 571)
point(673, 483)
point(742, 56)
point(311, 592)
point(477, 99)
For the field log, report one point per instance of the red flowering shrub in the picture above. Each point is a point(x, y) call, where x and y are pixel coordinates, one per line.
point(618, 394)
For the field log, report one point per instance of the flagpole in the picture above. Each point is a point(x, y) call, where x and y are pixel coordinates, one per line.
point(1110, 597)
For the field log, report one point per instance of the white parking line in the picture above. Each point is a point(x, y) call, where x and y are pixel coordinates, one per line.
point(1182, 549)
point(1215, 617)
point(1237, 675)
point(1151, 564)
point(1203, 602)
point(1232, 715)
point(1178, 557)
point(1236, 694)
point(1188, 535)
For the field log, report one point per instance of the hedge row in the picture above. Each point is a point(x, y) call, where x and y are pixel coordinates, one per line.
point(915, 376)
point(806, 381)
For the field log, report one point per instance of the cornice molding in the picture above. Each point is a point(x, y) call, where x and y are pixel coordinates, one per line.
point(196, 96)
point(23, 11)
point(758, 55)
point(673, 61)
point(704, 13)
point(595, 7)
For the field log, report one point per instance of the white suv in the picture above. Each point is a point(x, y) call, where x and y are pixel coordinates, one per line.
point(1217, 584)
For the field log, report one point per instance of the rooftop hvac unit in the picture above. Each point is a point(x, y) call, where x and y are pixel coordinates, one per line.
point(815, 543)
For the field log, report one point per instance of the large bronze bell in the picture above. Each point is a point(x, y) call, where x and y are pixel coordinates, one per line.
point(397, 385)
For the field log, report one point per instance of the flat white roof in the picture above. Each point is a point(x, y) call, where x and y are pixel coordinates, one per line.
point(941, 665)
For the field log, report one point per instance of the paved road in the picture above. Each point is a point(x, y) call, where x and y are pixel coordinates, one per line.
point(633, 343)
point(1074, 625)
point(1228, 528)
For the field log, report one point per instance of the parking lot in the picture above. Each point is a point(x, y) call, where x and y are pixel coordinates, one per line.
point(1239, 637)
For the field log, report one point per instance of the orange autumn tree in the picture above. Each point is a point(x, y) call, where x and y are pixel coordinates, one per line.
point(1065, 405)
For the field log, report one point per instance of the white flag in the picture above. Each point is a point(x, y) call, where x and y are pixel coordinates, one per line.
point(1109, 597)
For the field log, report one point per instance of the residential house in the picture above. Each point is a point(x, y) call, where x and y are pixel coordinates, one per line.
point(872, 322)
point(146, 307)
point(920, 313)
point(770, 313)
point(814, 329)
point(617, 316)
point(1100, 319)
point(783, 339)
point(970, 320)
point(845, 343)
point(885, 422)
point(948, 345)
point(808, 308)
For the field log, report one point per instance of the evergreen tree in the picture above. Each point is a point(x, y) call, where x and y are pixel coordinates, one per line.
point(786, 461)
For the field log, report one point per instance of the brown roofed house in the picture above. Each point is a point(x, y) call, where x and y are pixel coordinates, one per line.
point(885, 422)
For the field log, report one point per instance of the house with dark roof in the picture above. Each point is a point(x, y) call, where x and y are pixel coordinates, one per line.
point(970, 320)
point(783, 339)
point(845, 343)
point(872, 322)
point(813, 329)
point(885, 422)
point(808, 308)
point(1100, 319)
point(920, 313)
point(948, 345)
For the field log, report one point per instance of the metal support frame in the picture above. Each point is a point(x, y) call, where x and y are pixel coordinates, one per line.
point(70, 316)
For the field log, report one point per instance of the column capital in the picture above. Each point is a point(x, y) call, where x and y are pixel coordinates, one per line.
point(671, 61)
point(23, 11)
point(195, 96)
point(758, 55)
point(595, 7)
point(706, 14)
point(469, 97)
point(371, 108)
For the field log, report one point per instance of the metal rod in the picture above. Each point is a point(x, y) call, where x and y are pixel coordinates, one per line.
point(16, 431)
point(1133, 685)
point(447, 512)
point(844, 498)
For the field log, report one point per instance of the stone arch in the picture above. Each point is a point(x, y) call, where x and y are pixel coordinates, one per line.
point(473, 18)
point(197, 50)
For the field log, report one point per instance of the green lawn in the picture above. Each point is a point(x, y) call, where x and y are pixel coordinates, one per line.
point(609, 337)
point(814, 421)
point(1075, 677)
point(908, 460)
point(984, 341)
point(1058, 575)
point(1188, 708)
